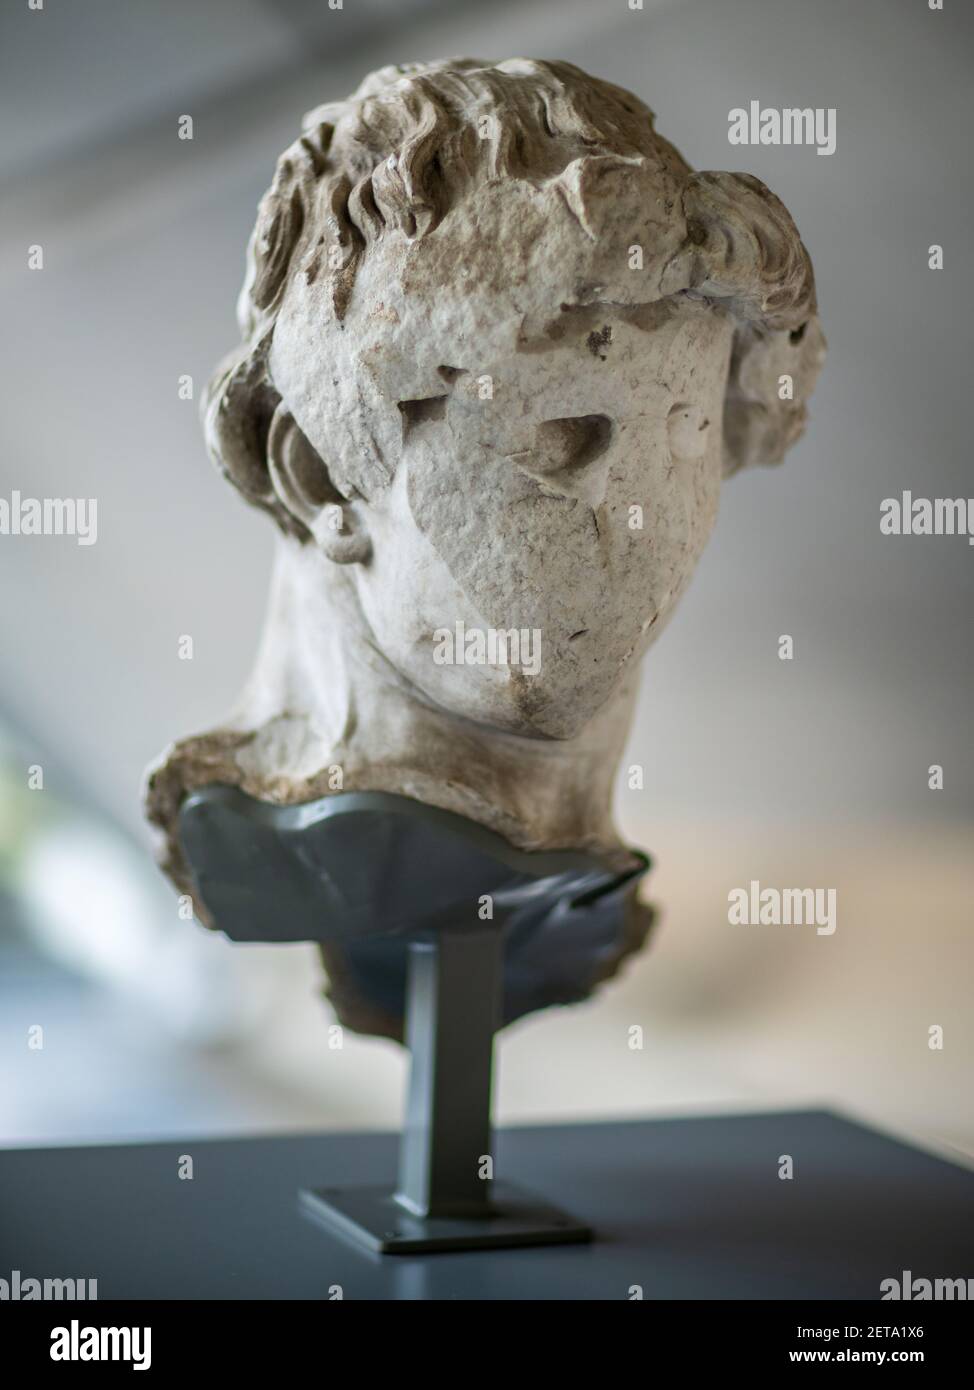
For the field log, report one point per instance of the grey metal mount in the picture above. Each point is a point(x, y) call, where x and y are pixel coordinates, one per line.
point(364, 865)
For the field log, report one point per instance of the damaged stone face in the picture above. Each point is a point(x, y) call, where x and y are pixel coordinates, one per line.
point(500, 348)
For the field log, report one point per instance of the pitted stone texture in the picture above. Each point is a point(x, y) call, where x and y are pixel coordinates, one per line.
point(500, 347)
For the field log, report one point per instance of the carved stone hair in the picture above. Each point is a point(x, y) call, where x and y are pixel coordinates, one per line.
point(413, 141)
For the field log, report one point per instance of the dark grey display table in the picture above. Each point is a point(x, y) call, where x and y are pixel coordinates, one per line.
point(683, 1208)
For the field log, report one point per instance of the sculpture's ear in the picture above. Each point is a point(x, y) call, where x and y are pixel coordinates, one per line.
point(257, 445)
point(305, 487)
point(772, 374)
point(744, 252)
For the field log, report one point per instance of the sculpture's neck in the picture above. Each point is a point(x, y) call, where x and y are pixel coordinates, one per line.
point(323, 696)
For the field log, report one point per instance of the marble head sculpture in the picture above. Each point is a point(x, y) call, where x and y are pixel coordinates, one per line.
point(500, 347)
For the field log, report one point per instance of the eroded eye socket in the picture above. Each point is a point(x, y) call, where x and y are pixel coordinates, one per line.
point(688, 430)
point(571, 442)
point(421, 412)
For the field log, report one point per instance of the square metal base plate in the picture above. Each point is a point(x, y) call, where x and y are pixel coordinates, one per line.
point(372, 1217)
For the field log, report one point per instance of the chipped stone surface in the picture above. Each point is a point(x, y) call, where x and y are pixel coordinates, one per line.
point(491, 321)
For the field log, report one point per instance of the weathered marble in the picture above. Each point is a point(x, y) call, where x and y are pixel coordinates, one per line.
point(500, 347)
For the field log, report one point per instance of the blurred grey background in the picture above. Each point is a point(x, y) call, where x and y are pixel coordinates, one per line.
point(809, 772)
